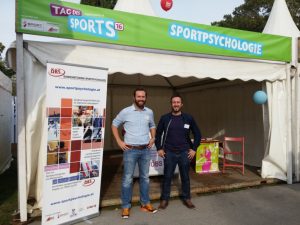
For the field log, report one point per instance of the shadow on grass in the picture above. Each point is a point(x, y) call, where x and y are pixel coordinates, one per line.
point(8, 193)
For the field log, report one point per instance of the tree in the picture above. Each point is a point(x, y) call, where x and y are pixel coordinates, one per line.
point(253, 15)
point(100, 3)
point(3, 67)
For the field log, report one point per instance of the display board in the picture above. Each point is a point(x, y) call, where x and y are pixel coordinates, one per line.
point(207, 157)
point(76, 105)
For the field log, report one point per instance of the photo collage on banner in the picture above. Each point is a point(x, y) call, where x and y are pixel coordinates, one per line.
point(86, 124)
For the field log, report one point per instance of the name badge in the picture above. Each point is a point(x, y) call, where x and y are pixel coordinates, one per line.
point(186, 126)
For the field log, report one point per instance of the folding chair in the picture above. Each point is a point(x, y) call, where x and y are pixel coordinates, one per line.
point(235, 143)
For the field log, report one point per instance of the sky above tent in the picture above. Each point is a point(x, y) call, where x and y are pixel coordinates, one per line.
point(198, 11)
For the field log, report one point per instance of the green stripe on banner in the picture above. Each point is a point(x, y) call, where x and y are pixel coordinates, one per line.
point(81, 22)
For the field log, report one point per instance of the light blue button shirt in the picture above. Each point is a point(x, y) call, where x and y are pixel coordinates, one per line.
point(136, 123)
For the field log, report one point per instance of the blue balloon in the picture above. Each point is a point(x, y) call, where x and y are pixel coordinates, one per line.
point(260, 97)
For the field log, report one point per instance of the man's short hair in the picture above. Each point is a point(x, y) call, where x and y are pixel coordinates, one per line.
point(176, 95)
point(139, 89)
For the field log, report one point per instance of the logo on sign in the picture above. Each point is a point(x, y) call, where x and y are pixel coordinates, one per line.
point(156, 163)
point(56, 72)
point(88, 182)
point(29, 24)
point(119, 26)
point(58, 10)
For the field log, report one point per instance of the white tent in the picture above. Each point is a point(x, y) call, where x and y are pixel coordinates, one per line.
point(220, 106)
point(216, 90)
point(140, 7)
point(5, 121)
point(280, 22)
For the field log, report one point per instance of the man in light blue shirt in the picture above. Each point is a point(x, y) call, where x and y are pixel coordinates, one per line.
point(137, 121)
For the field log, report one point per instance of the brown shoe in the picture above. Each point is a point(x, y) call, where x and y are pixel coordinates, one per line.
point(163, 204)
point(188, 203)
point(125, 213)
point(148, 208)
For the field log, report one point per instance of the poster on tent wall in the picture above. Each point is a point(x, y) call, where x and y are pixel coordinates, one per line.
point(207, 157)
point(76, 102)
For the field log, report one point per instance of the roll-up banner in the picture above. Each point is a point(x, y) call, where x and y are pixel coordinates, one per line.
point(75, 103)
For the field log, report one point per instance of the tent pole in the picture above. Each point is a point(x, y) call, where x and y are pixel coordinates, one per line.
point(22, 170)
point(297, 132)
point(289, 158)
point(266, 122)
point(297, 114)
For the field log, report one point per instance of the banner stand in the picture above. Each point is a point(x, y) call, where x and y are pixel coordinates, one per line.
point(74, 140)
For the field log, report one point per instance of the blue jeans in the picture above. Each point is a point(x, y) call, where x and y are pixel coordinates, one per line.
point(130, 158)
point(171, 159)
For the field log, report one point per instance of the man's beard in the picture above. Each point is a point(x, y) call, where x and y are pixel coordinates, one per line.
point(176, 110)
point(140, 103)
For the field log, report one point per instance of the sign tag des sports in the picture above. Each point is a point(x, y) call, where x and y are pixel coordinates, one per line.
point(82, 22)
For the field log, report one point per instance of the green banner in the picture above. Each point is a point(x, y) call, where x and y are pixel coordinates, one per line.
point(74, 21)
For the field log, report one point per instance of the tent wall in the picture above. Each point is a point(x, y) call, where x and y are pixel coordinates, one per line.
point(5, 121)
point(275, 163)
point(227, 110)
point(36, 125)
point(230, 111)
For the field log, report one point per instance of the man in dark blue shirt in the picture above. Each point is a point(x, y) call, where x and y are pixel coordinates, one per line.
point(173, 143)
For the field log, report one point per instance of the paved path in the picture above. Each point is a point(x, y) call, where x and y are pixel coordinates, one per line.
point(274, 205)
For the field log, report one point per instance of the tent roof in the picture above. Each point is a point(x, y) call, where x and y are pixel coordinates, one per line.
point(280, 22)
point(140, 7)
point(140, 64)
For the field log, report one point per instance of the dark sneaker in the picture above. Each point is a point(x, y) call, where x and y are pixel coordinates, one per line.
point(163, 204)
point(148, 208)
point(188, 203)
point(125, 213)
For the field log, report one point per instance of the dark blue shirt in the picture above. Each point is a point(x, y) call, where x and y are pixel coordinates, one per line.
point(176, 137)
point(189, 125)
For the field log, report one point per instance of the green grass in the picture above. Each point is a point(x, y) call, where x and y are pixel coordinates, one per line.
point(8, 193)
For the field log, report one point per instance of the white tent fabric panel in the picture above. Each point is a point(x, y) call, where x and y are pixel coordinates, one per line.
point(36, 125)
point(280, 22)
point(148, 64)
point(5, 121)
point(274, 164)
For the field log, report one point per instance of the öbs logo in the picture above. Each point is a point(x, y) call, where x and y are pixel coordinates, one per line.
point(56, 72)
point(88, 182)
